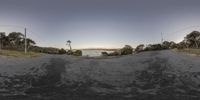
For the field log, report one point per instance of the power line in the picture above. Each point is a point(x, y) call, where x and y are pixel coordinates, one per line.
point(180, 30)
point(186, 28)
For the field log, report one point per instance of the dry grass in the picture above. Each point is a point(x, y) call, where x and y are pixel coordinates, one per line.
point(190, 51)
point(18, 53)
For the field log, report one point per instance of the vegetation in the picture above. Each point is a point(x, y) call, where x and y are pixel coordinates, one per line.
point(139, 48)
point(190, 44)
point(104, 53)
point(189, 50)
point(115, 53)
point(150, 47)
point(192, 40)
point(15, 41)
point(18, 53)
point(77, 53)
point(126, 50)
point(169, 45)
point(62, 51)
point(69, 44)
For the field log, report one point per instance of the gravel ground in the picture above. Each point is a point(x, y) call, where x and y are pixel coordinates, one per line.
point(155, 75)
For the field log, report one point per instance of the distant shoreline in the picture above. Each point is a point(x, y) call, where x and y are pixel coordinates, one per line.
point(105, 49)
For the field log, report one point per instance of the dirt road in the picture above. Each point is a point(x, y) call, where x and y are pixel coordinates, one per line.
point(156, 75)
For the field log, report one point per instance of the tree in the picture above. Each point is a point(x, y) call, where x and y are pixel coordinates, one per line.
point(154, 47)
point(62, 51)
point(166, 44)
point(127, 49)
point(173, 45)
point(181, 45)
point(77, 53)
point(29, 41)
point(194, 39)
point(139, 48)
point(16, 38)
point(69, 44)
point(2, 39)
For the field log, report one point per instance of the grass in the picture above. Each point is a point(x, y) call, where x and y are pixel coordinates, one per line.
point(190, 51)
point(18, 53)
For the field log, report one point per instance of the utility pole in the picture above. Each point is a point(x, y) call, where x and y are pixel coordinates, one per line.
point(25, 50)
point(161, 38)
point(0, 40)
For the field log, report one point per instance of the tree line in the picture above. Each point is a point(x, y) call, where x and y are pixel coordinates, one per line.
point(14, 41)
point(191, 40)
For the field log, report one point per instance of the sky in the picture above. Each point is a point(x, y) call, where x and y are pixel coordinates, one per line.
point(100, 23)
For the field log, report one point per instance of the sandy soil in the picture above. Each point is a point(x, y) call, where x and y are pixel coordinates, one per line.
point(156, 75)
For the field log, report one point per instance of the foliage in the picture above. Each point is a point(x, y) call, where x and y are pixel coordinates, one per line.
point(153, 47)
point(104, 53)
point(18, 53)
point(77, 53)
point(166, 44)
point(69, 44)
point(192, 40)
point(169, 45)
point(127, 49)
point(189, 50)
point(173, 45)
point(15, 41)
point(139, 48)
point(48, 50)
point(115, 53)
point(62, 51)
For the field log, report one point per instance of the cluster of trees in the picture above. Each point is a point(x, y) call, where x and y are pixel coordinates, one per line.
point(14, 41)
point(126, 50)
point(152, 47)
point(192, 40)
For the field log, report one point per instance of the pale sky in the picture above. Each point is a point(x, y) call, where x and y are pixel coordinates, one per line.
point(100, 23)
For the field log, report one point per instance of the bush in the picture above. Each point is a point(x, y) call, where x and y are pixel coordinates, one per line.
point(62, 51)
point(69, 52)
point(77, 53)
point(153, 47)
point(115, 53)
point(180, 47)
point(173, 45)
point(139, 48)
point(104, 53)
point(126, 50)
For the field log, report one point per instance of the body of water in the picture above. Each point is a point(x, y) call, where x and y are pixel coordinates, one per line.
point(93, 53)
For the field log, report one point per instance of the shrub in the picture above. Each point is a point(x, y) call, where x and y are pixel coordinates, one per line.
point(153, 47)
point(180, 47)
point(62, 51)
point(69, 52)
point(77, 53)
point(126, 50)
point(115, 53)
point(104, 53)
point(139, 48)
point(173, 45)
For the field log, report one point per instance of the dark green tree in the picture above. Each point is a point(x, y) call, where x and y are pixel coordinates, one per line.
point(127, 49)
point(139, 48)
point(194, 39)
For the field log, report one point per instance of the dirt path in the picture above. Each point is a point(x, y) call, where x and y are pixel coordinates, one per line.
point(156, 75)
